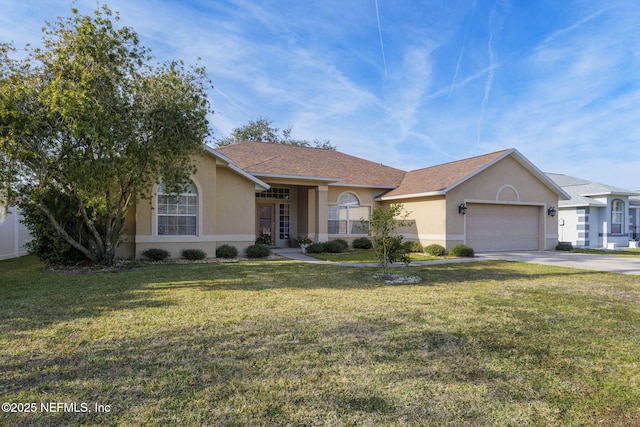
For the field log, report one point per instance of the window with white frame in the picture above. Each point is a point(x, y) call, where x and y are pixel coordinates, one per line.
point(617, 216)
point(347, 216)
point(177, 214)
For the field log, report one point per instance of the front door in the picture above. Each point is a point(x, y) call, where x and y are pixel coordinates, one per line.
point(265, 221)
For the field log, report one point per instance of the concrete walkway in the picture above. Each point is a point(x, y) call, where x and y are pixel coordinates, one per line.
point(605, 263)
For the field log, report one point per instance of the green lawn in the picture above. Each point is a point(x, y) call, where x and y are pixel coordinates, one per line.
point(285, 343)
point(617, 252)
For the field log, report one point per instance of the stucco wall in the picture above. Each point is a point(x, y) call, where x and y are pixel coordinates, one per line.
point(435, 219)
point(366, 197)
point(226, 203)
point(426, 221)
point(506, 182)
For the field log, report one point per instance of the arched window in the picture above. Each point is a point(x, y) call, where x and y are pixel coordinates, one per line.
point(347, 216)
point(177, 213)
point(617, 216)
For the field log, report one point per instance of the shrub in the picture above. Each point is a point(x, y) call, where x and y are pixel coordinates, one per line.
point(156, 254)
point(334, 247)
point(264, 239)
point(395, 249)
point(193, 254)
point(343, 244)
point(46, 242)
point(258, 250)
point(564, 246)
point(412, 246)
point(461, 251)
point(316, 248)
point(435, 250)
point(362, 243)
point(226, 251)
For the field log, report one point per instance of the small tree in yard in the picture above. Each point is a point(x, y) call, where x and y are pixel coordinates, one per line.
point(86, 120)
point(387, 245)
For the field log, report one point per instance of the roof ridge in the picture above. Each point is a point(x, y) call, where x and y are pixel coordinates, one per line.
point(506, 150)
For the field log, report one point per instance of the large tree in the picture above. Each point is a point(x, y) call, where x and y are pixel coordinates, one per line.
point(87, 117)
point(263, 130)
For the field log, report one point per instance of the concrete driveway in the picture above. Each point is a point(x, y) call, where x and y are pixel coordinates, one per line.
point(607, 263)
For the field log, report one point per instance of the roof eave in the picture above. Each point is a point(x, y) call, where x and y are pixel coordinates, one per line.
point(300, 177)
point(411, 196)
point(259, 184)
point(610, 193)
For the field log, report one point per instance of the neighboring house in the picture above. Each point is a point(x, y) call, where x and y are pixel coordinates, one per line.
point(13, 234)
point(597, 215)
point(495, 202)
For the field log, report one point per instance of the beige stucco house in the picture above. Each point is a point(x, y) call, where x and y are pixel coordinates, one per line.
point(494, 202)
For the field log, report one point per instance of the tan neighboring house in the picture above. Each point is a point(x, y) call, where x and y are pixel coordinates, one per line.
point(494, 202)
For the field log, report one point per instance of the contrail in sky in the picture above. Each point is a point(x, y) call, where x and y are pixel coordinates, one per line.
point(384, 59)
point(495, 24)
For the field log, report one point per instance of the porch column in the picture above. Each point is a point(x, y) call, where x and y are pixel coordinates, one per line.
point(321, 213)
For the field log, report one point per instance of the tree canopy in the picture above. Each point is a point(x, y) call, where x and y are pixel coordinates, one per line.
point(263, 130)
point(87, 117)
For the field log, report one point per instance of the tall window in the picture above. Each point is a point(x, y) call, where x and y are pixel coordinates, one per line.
point(347, 216)
point(177, 213)
point(617, 216)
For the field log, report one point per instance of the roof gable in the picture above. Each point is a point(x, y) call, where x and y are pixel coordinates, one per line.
point(440, 178)
point(581, 191)
point(260, 185)
point(263, 159)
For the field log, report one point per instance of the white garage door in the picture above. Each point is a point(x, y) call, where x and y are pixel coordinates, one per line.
point(495, 228)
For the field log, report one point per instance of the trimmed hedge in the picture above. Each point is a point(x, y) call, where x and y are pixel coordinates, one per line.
point(193, 254)
point(226, 251)
point(316, 248)
point(461, 251)
point(343, 244)
point(435, 250)
point(412, 246)
point(258, 251)
point(334, 247)
point(564, 246)
point(362, 243)
point(156, 254)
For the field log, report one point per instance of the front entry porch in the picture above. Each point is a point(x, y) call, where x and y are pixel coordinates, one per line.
point(287, 213)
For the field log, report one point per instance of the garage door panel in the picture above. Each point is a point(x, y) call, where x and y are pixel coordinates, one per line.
point(494, 228)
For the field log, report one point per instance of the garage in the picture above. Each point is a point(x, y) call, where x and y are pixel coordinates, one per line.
point(502, 227)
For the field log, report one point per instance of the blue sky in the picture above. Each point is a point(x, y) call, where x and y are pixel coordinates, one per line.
point(407, 83)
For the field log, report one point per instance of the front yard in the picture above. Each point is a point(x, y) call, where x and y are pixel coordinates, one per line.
point(286, 343)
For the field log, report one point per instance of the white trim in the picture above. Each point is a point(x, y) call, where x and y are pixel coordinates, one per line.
point(208, 238)
point(502, 202)
point(260, 185)
point(299, 177)
point(381, 187)
point(198, 201)
point(517, 156)
point(413, 196)
point(507, 186)
point(443, 237)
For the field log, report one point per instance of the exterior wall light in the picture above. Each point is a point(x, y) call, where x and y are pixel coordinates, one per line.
point(551, 211)
point(462, 209)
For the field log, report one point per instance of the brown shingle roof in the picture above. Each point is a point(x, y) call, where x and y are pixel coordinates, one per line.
point(264, 159)
point(269, 159)
point(440, 177)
